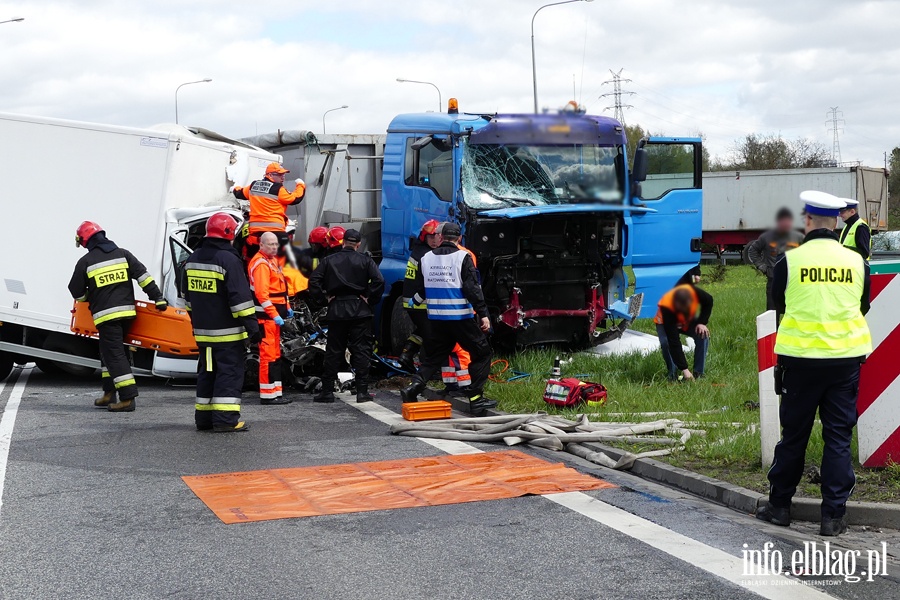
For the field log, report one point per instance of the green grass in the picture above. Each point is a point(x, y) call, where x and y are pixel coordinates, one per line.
point(638, 384)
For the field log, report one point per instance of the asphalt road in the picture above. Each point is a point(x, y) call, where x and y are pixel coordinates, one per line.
point(94, 507)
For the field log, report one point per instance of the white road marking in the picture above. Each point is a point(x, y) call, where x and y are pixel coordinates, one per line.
point(697, 554)
point(8, 421)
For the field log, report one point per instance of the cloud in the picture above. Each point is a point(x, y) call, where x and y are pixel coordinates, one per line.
point(723, 68)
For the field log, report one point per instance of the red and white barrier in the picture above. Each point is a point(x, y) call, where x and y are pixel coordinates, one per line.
point(769, 421)
point(878, 431)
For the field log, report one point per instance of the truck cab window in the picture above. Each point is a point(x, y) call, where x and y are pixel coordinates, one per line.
point(669, 167)
point(430, 166)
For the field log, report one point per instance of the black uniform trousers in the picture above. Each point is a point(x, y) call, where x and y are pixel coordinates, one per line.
point(443, 337)
point(421, 324)
point(220, 379)
point(833, 391)
point(770, 295)
point(348, 334)
point(117, 373)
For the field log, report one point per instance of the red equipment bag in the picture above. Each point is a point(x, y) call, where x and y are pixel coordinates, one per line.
point(572, 392)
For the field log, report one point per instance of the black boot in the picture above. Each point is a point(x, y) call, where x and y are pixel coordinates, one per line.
point(412, 391)
point(832, 526)
point(774, 515)
point(408, 354)
point(326, 394)
point(362, 394)
point(478, 404)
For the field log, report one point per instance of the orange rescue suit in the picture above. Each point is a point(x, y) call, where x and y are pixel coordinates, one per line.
point(668, 302)
point(271, 294)
point(268, 203)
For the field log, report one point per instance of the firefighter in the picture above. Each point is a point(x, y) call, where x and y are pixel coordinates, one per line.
point(429, 239)
point(268, 205)
point(856, 234)
point(684, 310)
point(457, 313)
point(102, 278)
point(335, 238)
point(351, 284)
point(308, 258)
point(223, 316)
point(823, 290)
point(271, 296)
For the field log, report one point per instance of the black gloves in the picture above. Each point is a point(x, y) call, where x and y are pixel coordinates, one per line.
point(161, 305)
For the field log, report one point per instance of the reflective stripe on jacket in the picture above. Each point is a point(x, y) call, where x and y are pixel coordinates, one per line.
point(268, 201)
point(269, 287)
point(823, 318)
point(444, 296)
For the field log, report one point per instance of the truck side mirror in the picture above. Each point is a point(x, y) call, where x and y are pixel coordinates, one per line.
point(639, 169)
point(421, 143)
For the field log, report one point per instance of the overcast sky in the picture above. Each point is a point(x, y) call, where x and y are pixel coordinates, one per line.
point(724, 68)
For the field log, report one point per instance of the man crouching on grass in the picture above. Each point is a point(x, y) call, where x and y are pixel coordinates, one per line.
point(685, 309)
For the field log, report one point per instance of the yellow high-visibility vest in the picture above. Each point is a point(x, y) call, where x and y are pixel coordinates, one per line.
point(848, 235)
point(822, 314)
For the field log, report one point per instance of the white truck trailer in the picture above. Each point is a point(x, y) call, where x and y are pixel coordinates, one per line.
point(152, 191)
point(739, 205)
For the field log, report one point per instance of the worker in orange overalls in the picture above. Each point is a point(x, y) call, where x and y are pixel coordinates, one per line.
point(270, 293)
point(268, 205)
point(456, 374)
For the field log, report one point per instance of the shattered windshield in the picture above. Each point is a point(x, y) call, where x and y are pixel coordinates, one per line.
point(498, 176)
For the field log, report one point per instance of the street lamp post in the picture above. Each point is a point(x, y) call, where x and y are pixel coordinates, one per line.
point(328, 111)
point(533, 63)
point(440, 101)
point(181, 86)
point(16, 20)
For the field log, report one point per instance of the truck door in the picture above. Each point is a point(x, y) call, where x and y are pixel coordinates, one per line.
point(664, 244)
point(179, 252)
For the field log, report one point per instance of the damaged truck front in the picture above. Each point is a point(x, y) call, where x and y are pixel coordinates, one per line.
point(549, 207)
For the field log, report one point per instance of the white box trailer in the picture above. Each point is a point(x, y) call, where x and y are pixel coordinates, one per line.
point(739, 205)
point(143, 186)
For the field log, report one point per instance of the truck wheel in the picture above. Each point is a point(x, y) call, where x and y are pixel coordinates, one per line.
point(401, 327)
point(69, 344)
point(6, 364)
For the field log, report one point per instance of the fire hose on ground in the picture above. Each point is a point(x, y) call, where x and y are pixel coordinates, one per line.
point(556, 433)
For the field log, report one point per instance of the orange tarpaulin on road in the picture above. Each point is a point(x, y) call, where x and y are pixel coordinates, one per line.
point(361, 487)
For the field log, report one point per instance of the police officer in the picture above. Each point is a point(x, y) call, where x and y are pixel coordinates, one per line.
point(457, 313)
point(269, 200)
point(823, 290)
point(351, 284)
point(223, 316)
point(102, 278)
point(856, 234)
point(270, 291)
point(429, 239)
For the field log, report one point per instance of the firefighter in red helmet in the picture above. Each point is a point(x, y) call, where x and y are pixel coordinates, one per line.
point(429, 238)
point(102, 278)
point(223, 315)
point(335, 238)
point(309, 258)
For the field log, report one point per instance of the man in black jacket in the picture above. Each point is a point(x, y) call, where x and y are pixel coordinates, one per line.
point(351, 284)
point(429, 239)
point(457, 313)
point(102, 278)
point(684, 310)
point(223, 315)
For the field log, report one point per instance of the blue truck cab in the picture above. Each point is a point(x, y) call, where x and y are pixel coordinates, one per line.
point(551, 210)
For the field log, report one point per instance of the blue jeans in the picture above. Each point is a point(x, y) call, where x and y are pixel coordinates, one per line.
point(701, 348)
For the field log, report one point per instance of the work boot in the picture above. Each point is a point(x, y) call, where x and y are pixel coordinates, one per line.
point(121, 406)
point(407, 356)
point(412, 391)
point(326, 394)
point(104, 400)
point(363, 395)
point(478, 404)
point(274, 401)
point(241, 426)
point(832, 526)
point(775, 515)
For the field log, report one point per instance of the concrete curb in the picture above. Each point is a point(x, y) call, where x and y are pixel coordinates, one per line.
point(871, 514)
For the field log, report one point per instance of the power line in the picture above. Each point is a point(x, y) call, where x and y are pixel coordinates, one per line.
point(833, 121)
point(616, 94)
